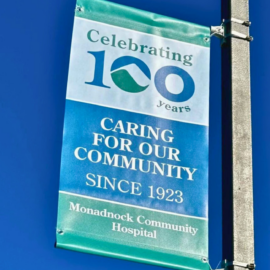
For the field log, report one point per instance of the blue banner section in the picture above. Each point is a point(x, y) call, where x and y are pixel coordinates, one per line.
point(135, 159)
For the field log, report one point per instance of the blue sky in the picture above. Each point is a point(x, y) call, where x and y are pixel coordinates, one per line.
point(34, 56)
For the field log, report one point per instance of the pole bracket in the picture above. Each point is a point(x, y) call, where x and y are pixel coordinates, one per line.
point(250, 266)
point(227, 265)
point(245, 23)
point(236, 34)
point(220, 31)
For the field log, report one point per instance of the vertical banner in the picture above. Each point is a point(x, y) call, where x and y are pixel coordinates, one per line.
point(134, 169)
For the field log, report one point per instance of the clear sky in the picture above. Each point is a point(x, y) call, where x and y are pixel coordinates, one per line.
point(34, 55)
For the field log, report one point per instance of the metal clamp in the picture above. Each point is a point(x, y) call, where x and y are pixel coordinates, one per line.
point(236, 34)
point(240, 264)
point(226, 265)
point(250, 266)
point(245, 23)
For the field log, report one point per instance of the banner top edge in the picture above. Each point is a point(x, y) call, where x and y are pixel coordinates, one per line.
point(143, 21)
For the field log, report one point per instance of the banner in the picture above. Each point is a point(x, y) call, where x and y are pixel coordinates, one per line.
point(134, 168)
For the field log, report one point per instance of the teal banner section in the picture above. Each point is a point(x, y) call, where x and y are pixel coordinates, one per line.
point(143, 21)
point(101, 227)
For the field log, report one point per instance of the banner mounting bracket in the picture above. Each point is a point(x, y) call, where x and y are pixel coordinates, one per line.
point(220, 31)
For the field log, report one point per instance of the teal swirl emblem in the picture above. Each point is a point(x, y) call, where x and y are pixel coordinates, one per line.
point(122, 78)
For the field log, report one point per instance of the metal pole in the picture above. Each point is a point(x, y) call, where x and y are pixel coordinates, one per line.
point(238, 224)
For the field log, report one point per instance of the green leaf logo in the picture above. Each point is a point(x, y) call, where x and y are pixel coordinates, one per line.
point(122, 78)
